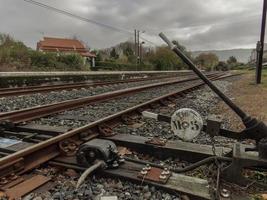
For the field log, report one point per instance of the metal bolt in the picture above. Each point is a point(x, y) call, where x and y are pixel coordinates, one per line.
point(143, 171)
point(121, 159)
point(162, 177)
point(165, 171)
point(3, 180)
point(115, 164)
point(225, 193)
point(91, 154)
point(13, 176)
point(147, 167)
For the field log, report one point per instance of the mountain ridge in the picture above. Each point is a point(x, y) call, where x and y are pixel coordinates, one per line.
point(241, 54)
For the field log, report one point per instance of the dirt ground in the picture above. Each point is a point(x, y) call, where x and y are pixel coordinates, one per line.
point(250, 97)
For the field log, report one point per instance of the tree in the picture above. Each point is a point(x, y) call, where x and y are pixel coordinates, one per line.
point(222, 66)
point(13, 52)
point(128, 51)
point(6, 40)
point(113, 54)
point(232, 60)
point(164, 59)
point(207, 61)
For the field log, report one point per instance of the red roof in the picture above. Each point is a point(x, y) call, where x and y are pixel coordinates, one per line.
point(63, 45)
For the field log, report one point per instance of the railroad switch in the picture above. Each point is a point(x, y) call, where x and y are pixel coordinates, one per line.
point(99, 149)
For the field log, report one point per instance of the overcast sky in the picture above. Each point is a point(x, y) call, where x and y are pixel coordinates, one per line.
point(197, 24)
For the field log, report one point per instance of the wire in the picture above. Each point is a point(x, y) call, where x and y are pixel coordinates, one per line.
point(98, 164)
point(83, 18)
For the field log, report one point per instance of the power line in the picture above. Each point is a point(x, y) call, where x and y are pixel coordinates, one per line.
point(82, 18)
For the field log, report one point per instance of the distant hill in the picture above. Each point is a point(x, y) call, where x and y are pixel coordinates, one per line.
point(242, 55)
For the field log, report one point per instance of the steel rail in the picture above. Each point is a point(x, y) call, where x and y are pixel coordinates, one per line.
point(15, 91)
point(30, 154)
point(27, 114)
point(4, 92)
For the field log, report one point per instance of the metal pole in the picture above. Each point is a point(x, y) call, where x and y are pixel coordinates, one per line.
point(135, 42)
point(256, 130)
point(138, 46)
point(141, 52)
point(192, 66)
point(260, 58)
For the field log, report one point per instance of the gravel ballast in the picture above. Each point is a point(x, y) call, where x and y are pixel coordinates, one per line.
point(82, 116)
point(27, 101)
point(201, 100)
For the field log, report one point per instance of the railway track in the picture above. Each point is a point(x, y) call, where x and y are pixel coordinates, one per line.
point(15, 91)
point(57, 146)
point(27, 114)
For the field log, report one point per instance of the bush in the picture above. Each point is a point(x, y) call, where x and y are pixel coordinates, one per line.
point(71, 61)
point(207, 61)
point(165, 59)
point(52, 61)
point(123, 67)
point(13, 53)
point(222, 66)
point(43, 60)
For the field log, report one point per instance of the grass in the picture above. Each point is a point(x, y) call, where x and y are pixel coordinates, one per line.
point(252, 74)
point(264, 78)
point(248, 96)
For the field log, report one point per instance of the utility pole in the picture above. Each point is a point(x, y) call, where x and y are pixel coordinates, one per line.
point(138, 46)
point(261, 44)
point(141, 51)
point(135, 46)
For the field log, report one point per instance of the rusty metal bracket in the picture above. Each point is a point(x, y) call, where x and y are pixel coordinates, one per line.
point(154, 174)
point(105, 131)
point(68, 147)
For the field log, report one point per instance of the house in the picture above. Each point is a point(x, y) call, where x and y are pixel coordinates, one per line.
point(63, 45)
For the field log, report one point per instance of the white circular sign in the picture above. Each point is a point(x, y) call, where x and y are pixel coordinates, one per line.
point(186, 124)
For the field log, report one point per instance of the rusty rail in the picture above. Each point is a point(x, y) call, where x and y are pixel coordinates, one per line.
point(37, 154)
point(46, 110)
point(5, 92)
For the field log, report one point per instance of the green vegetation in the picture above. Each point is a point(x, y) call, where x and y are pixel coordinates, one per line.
point(207, 61)
point(53, 61)
point(122, 57)
point(164, 59)
point(123, 66)
point(15, 56)
point(252, 72)
point(264, 77)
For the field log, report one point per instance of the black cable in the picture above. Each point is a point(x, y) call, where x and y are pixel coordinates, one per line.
point(82, 18)
point(185, 169)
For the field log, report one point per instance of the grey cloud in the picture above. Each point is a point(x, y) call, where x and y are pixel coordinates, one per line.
point(209, 24)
